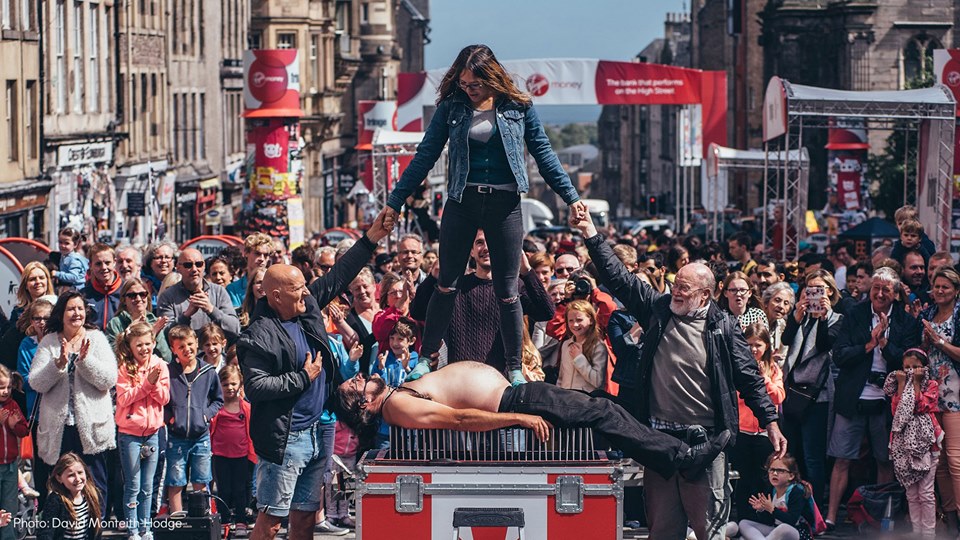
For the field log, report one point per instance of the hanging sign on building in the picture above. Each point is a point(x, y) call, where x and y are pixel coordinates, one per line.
point(136, 204)
point(72, 155)
point(271, 83)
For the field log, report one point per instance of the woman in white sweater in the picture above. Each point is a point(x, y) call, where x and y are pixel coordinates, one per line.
point(72, 373)
point(583, 355)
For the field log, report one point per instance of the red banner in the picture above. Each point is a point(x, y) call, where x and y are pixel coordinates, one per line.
point(271, 84)
point(627, 83)
point(272, 142)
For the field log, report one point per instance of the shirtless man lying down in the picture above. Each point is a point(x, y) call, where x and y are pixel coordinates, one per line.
point(471, 396)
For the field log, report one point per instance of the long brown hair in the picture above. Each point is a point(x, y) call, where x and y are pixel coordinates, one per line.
point(479, 60)
point(759, 330)
point(89, 489)
point(125, 358)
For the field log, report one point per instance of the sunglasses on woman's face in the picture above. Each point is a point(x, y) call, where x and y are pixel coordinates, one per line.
point(135, 295)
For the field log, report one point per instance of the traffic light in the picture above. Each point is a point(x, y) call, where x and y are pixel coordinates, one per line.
point(652, 207)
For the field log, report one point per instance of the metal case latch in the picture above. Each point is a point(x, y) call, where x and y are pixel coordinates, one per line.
point(409, 494)
point(569, 497)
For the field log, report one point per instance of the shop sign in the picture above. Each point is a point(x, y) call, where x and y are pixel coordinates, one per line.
point(136, 204)
point(17, 204)
point(72, 155)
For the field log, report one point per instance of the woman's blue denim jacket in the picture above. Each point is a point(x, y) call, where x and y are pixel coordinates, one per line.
point(517, 124)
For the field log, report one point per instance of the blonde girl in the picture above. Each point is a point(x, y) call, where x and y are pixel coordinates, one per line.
point(143, 388)
point(583, 355)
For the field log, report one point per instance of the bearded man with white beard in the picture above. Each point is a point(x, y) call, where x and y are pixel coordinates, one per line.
point(693, 361)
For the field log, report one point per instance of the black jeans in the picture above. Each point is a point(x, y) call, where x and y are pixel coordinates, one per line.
point(233, 485)
point(570, 408)
point(498, 214)
point(748, 458)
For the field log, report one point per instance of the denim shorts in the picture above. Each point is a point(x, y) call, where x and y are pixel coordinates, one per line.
point(297, 483)
point(197, 452)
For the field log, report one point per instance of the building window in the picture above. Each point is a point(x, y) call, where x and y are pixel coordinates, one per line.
point(255, 40)
point(27, 8)
point(918, 58)
point(314, 64)
point(60, 70)
point(10, 108)
point(286, 40)
point(31, 119)
point(365, 13)
point(201, 128)
point(6, 15)
point(93, 36)
point(176, 129)
point(77, 51)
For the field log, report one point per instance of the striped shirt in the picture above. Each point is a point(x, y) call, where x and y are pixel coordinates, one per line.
point(78, 529)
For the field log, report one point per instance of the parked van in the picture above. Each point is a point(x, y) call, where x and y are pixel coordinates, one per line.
point(535, 214)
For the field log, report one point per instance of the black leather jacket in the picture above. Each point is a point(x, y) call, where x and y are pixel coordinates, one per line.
point(271, 381)
point(732, 367)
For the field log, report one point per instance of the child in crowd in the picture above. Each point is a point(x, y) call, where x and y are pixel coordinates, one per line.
point(143, 388)
point(213, 342)
point(913, 237)
point(915, 437)
point(233, 455)
point(13, 425)
point(395, 364)
point(73, 266)
point(72, 510)
point(752, 443)
point(195, 398)
point(911, 232)
point(583, 355)
point(786, 513)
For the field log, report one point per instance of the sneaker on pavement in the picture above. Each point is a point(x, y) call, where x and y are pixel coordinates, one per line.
point(325, 527)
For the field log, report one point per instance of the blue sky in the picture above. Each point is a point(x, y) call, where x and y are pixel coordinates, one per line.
point(517, 29)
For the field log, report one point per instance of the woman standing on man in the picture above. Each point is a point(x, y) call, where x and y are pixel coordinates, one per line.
point(487, 121)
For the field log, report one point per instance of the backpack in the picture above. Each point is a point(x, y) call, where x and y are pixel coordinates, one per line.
point(819, 525)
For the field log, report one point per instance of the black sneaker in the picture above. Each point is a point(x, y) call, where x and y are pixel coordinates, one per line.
point(694, 461)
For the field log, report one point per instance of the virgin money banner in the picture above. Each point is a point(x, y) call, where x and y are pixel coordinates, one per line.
point(271, 84)
point(588, 82)
point(373, 115)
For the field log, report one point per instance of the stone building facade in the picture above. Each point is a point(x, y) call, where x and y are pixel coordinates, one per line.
point(638, 142)
point(23, 199)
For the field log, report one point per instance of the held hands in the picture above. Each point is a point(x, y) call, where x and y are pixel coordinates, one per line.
point(584, 224)
point(313, 366)
point(578, 211)
point(382, 224)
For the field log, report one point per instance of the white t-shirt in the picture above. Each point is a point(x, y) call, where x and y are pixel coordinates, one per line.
point(879, 363)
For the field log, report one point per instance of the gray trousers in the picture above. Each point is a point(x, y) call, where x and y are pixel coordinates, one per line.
point(673, 502)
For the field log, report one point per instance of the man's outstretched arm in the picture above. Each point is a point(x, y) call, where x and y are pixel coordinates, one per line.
point(415, 413)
